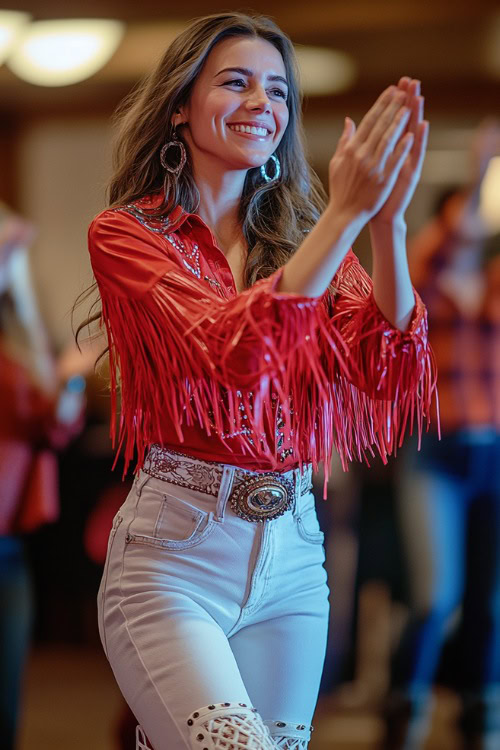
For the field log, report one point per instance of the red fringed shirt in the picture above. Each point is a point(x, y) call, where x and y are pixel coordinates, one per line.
point(265, 380)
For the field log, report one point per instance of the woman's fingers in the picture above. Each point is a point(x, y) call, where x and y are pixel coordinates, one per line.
point(408, 165)
point(413, 166)
point(421, 145)
point(373, 128)
point(388, 141)
point(347, 133)
point(404, 83)
point(385, 100)
point(377, 138)
point(415, 102)
point(379, 164)
point(417, 114)
point(411, 86)
point(397, 159)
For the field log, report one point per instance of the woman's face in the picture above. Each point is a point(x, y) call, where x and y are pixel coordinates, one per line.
point(241, 88)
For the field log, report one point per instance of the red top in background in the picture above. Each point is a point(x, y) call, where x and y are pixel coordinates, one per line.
point(262, 379)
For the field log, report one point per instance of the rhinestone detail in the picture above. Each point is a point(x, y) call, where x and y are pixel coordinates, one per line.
point(160, 225)
point(282, 441)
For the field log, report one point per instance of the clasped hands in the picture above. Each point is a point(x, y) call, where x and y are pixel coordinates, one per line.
point(376, 167)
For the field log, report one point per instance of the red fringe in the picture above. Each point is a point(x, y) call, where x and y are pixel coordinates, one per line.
point(345, 378)
point(392, 374)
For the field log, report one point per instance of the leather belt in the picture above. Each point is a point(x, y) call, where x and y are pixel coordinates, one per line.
point(255, 496)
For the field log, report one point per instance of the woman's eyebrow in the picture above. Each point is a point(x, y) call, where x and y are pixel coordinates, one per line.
point(249, 73)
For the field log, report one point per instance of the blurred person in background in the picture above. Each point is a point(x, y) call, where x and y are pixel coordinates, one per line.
point(449, 492)
point(38, 416)
point(229, 289)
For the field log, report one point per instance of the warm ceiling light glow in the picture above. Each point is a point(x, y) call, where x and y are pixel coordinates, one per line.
point(57, 53)
point(11, 23)
point(324, 71)
point(490, 195)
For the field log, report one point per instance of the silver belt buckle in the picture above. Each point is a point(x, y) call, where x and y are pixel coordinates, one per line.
point(262, 498)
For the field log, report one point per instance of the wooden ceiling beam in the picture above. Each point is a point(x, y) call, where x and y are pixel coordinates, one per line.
point(299, 18)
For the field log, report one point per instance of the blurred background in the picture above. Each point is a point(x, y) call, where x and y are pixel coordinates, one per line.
point(412, 548)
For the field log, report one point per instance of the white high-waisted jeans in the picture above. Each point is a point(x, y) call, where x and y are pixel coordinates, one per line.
point(215, 627)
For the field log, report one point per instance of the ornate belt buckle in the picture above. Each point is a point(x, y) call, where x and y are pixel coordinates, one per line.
point(262, 498)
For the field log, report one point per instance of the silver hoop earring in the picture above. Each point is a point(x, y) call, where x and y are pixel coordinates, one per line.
point(174, 143)
point(277, 169)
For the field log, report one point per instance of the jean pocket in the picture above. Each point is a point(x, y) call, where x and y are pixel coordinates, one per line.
point(177, 525)
point(308, 526)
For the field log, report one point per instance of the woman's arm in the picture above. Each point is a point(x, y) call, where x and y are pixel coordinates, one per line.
point(362, 174)
point(27, 310)
point(373, 175)
point(16, 235)
point(392, 287)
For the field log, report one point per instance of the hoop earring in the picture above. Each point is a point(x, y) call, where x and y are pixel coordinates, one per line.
point(277, 169)
point(174, 143)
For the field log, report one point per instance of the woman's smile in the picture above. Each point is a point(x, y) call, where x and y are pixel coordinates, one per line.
point(251, 130)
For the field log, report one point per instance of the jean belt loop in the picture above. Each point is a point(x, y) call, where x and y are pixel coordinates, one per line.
point(139, 481)
point(224, 491)
point(297, 483)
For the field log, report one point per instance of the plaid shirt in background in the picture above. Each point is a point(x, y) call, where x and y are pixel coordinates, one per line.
point(464, 325)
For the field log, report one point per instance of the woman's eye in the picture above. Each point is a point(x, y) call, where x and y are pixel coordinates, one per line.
point(240, 83)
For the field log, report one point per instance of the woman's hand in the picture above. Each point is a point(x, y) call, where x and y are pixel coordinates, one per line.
point(366, 164)
point(404, 187)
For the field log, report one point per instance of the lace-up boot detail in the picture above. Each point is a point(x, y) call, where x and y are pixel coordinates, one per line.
point(229, 726)
point(288, 735)
point(141, 741)
point(290, 743)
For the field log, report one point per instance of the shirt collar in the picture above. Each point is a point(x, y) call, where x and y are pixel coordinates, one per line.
point(178, 215)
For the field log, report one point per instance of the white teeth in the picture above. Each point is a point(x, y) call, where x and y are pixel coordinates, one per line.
point(249, 129)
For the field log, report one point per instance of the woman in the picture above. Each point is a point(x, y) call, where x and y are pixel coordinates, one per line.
point(39, 415)
point(449, 493)
point(248, 343)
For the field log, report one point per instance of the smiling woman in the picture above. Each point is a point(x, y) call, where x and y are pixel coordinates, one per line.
point(246, 342)
point(223, 63)
point(238, 122)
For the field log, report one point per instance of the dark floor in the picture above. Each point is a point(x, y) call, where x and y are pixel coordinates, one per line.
point(71, 703)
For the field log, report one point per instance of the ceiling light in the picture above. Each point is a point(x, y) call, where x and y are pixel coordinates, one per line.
point(11, 23)
point(58, 53)
point(324, 71)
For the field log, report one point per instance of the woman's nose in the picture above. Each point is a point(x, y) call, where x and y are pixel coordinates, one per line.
point(259, 100)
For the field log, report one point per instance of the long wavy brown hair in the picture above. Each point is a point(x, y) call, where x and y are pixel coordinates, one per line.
point(274, 216)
